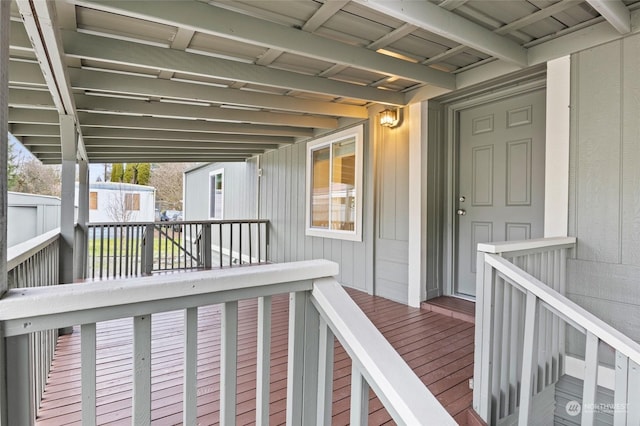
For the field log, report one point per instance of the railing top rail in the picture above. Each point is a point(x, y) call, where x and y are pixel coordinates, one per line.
point(179, 222)
point(565, 308)
point(68, 298)
point(403, 394)
point(20, 252)
point(524, 245)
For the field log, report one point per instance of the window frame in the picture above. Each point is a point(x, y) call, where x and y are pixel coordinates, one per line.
point(211, 215)
point(132, 201)
point(356, 132)
point(93, 200)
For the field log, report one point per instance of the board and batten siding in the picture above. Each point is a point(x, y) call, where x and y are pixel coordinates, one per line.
point(239, 190)
point(283, 203)
point(604, 185)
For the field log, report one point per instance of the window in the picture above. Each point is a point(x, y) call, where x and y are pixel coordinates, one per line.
point(216, 194)
point(132, 202)
point(334, 186)
point(93, 201)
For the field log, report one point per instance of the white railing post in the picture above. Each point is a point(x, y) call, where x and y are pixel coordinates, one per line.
point(486, 343)
point(359, 415)
point(88, 373)
point(228, 363)
point(590, 384)
point(206, 246)
point(529, 362)
point(325, 374)
point(147, 249)
point(20, 401)
point(142, 370)
point(263, 367)
point(190, 386)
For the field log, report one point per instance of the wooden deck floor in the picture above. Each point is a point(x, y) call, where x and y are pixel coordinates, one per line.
point(438, 348)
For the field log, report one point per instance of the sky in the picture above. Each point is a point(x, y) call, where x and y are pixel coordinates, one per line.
point(95, 170)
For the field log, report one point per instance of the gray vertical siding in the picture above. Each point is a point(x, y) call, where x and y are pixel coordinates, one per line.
point(604, 206)
point(239, 191)
point(282, 201)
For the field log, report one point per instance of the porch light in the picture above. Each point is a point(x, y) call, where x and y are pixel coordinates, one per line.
point(389, 118)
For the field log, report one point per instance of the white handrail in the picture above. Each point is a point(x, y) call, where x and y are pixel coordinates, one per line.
point(565, 308)
point(21, 252)
point(535, 244)
point(402, 393)
point(69, 298)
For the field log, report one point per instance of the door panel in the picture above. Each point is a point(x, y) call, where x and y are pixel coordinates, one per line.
point(500, 178)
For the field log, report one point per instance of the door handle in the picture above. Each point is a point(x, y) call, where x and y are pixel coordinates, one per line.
point(461, 212)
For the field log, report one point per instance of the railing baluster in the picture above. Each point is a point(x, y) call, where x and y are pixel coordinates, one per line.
point(142, 370)
point(529, 355)
point(590, 384)
point(206, 246)
point(230, 244)
point(263, 367)
point(88, 373)
point(190, 387)
point(325, 374)
point(250, 251)
point(220, 242)
point(295, 364)
point(20, 404)
point(496, 370)
point(621, 394)
point(633, 406)
point(359, 415)
point(228, 363)
point(504, 349)
point(486, 365)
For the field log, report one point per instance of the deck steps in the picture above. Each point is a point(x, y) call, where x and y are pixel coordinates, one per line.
point(453, 307)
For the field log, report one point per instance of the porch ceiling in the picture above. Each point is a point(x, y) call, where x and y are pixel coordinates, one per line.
point(226, 80)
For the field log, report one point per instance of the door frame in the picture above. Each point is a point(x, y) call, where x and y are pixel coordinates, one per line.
point(451, 107)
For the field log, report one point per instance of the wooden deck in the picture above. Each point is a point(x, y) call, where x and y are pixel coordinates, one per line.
point(438, 348)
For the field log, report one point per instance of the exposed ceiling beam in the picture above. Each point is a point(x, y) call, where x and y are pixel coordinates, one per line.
point(615, 12)
point(144, 86)
point(173, 151)
point(40, 141)
point(40, 24)
point(24, 98)
point(162, 109)
point(151, 123)
point(393, 36)
point(33, 116)
point(157, 58)
point(93, 133)
point(430, 17)
point(537, 16)
point(35, 130)
point(452, 4)
point(19, 39)
point(148, 157)
point(323, 14)
point(26, 73)
point(211, 19)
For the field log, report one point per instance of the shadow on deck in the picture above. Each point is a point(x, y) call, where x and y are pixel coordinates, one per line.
point(438, 348)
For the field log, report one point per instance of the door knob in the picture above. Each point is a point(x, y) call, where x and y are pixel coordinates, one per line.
point(461, 212)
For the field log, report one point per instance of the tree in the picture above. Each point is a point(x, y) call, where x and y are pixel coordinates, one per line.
point(167, 179)
point(137, 173)
point(117, 172)
point(33, 177)
point(118, 209)
point(12, 168)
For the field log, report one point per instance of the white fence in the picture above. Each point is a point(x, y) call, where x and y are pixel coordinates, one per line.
point(319, 309)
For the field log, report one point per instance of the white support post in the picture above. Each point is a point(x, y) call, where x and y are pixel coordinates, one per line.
point(263, 361)
point(486, 343)
point(190, 387)
point(529, 361)
point(359, 415)
point(88, 373)
point(590, 384)
point(20, 400)
point(81, 248)
point(325, 374)
point(633, 405)
point(311, 357)
point(5, 24)
point(228, 363)
point(142, 370)
point(69, 143)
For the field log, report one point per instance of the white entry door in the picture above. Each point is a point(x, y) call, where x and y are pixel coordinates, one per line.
point(500, 193)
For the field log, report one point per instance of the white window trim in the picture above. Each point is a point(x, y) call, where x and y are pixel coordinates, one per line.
point(355, 235)
point(213, 173)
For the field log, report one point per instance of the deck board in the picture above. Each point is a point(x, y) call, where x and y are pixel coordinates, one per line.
point(438, 348)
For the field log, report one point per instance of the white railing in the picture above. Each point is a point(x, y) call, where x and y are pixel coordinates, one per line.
point(319, 309)
point(521, 316)
point(34, 263)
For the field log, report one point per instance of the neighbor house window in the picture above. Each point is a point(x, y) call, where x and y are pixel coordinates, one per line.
point(216, 194)
point(334, 186)
point(93, 201)
point(132, 202)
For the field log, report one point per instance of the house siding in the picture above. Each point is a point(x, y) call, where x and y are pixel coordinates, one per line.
point(239, 191)
point(282, 201)
point(604, 201)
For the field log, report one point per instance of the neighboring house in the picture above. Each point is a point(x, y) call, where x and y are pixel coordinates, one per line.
point(30, 215)
point(120, 202)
